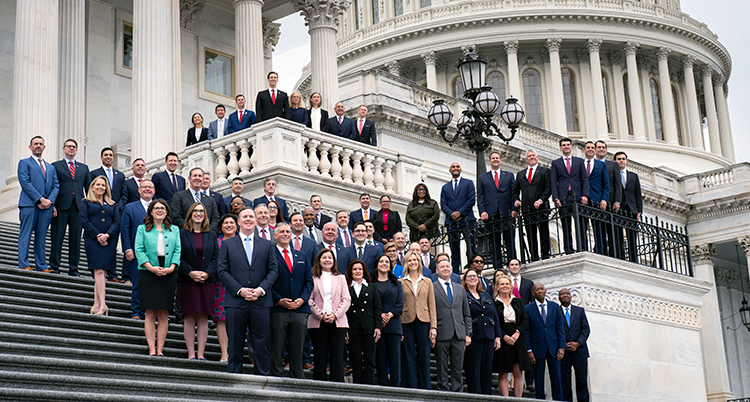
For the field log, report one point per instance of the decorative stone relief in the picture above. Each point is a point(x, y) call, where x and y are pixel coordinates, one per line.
point(630, 48)
point(642, 61)
point(745, 244)
point(271, 35)
point(393, 67)
point(408, 73)
point(615, 58)
point(465, 49)
point(190, 10)
point(530, 61)
point(544, 56)
point(321, 13)
point(728, 278)
point(584, 55)
point(707, 70)
point(511, 46)
point(429, 58)
point(688, 61)
point(553, 44)
point(662, 53)
point(703, 253)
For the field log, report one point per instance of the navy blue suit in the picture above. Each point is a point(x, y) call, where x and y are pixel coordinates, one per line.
point(34, 186)
point(132, 186)
point(356, 216)
point(369, 256)
point(294, 285)
point(388, 352)
point(132, 217)
point(462, 199)
point(68, 203)
point(282, 205)
point(343, 256)
point(218, 200)
point(544, 338)
point(345, 129)
point(307, 246)
point(163, 185)
point(248, 119)
point(599, 189)
point(577, 331)
point(117, 187)
point(568, 188)
point(236, 272)
point(497, 202)
point(368, 136)
point(340, 239)
point(479, 354)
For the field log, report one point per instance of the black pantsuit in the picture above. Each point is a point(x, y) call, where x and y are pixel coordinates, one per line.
point(580, 365)
point(478, 366)
point(327, 340)
point(361, 354)
point(388, 359)
point(364, 318)
point(416, 360)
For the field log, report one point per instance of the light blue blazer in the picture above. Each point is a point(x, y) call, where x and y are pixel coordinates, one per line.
point(33, 184)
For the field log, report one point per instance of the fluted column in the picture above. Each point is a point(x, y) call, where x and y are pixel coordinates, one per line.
point(248, 44)
point(321, 16)
point(618, 95)
point(514, 76)
point(745, 244)
point(600, 111)
point(557, 105)
point(694, 116)
point(725, 128)
point(430, 59)
point(710, 102)
point(72, 100)
point(634, 91)
point(271, 35)
point(669, 118)
point(156, 53)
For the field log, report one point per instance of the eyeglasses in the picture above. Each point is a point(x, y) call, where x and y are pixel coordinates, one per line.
point(478, 261)
point(159, 209)
point(273, 208)
point(471, 276)
point(197, 211)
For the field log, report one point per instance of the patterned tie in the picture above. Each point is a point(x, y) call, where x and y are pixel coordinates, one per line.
point(450, 292)
point(197, 196)
point(297, 245)
point(497, 180)
point(174, 182)
point(249, 250)
point(588, 167)
point(44, 170)
point(531, 170)
point(360, 252)
point(288, 260)
point(73, 170)
point(317, 221)
point(340, 120)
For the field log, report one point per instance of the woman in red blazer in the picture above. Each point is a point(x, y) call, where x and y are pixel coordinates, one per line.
point(327, 324)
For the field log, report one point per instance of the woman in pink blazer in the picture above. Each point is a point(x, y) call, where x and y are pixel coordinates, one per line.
point(327, 324)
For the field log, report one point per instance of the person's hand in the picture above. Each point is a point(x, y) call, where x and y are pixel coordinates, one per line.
point(509, 340)
point(603, 205)
point(585, 200)
point(538, 203)
point(616, 207)
point(515, 336)
point(532, 359)
point(558, 203)
point(638, 216)
point(422, 228)
point(517, 203)
point(456, 216)
point(346, 338)
point(386, 317)
point(560, 353)
point(572, 346)
point(54, 212)
point(433, 336)
point(484, 216)
point(129, 255)
point(376, 335)
point(467, 342)
point(514, 213)
point(286, 303)
point(44, 203)
point(497, 344)
point(195, 276)
point(298, 303)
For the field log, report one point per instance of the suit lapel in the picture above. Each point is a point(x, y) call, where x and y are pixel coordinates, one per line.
point(191, 242)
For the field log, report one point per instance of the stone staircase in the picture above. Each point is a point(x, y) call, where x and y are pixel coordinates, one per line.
point(51, 348)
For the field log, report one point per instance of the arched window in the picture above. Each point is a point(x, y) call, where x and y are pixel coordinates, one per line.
point(677, 115)
point(569, 95)
point(606, 102)
point(496, 80)
point(628, 108)
point(656, 107)
point(375, 11)
point(532, 93)
point(458, 87)
point(398, 7)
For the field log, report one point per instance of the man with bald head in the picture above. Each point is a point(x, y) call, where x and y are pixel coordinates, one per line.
point(545, 341)
point(343, 254)
point(576, 351)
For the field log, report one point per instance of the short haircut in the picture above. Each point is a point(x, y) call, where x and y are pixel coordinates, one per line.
point(621, 153)
point(362, 105)
point(136, 160)
point(260, 205)
point(280, 224)
point(340, 211)
point(171, 154)
point(31, 142)
point(565, 139)
point(295, 214)
point(442, 254)
point(267, 179)
point(354, 227)
point(238, 96)
point(602, 141)
point(272, 72)
point(363, 194)
point(219, 106)
point(589, 142)
point(71, 140)
point(105, 149)
point(495, 152)
point(315, 195)
point(238, 178)
point(194, 169)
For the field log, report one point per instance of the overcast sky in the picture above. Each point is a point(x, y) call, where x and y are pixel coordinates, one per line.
point(726, 18)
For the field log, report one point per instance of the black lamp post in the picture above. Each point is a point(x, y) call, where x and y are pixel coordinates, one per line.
point(744, 309)
point(476, 125)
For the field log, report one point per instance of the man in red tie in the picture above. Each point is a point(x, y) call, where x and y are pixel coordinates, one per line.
point(599, 190)
point(570, 184)
point(134, 183)
point(531, 194)
point(271, 102)
point(290, 294)
point(364, 129)
point(241, 118)
point(495, 202)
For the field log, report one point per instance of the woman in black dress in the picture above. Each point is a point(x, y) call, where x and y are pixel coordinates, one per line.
point(197, 133)
point(197, 271)
point(388, 352)
point(512, 356)
point(100, 220)
point(365, 322)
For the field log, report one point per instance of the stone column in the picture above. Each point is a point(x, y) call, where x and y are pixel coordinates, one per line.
point(708, 99)
point(714, 360)
point(514, 76)
point(72, 85)
point(745, 244)
point(600, 111)
point(694, 122)
point(156, 59)
point(271, 35)
point(248, 44)
point(557, 103)
point(321, 17)
point(725, 128)
point(430, 59)
point(669, 118)
point(634, 91)
point(617, 93)
point(394, 67)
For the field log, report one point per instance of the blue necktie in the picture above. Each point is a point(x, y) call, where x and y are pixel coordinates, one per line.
point(622, 178)
point(109, 176)
point(544, 314)
point(450, 292)
point(567, 315)
point(249, 250)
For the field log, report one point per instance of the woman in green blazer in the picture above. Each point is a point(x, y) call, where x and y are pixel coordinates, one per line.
point(422, 214)
point(157, 248)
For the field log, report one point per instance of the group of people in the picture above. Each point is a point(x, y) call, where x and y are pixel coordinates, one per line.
point(271, 103)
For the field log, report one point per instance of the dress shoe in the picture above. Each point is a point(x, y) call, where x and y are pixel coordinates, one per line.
point(308, 366)
point(105, 312)
point(74, 274)
point(28, 269)
point(115, 280)
point(49, 270)
point(92, 311)
point(136, 317)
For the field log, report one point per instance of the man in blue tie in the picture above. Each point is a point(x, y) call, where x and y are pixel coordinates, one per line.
point(576, 351)
point(457, 199)
point(545, 341)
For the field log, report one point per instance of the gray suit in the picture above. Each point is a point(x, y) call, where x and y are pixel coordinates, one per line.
point(318, 234)
point(453, 325)
point(213, 129)
point(269, 233)
point(181, 202)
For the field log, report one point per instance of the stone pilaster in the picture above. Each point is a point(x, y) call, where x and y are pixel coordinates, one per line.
point(617, 96)
point(271, 35)
point(557, 105)
point(669, 117)
point(725, 128)
point(600, 111)
point(72, 84)
point(694, 121)
point(321, 17)
point(430, 60)
point(713, 122)
point(634, 91)
point(248, 41)
point(514, 76)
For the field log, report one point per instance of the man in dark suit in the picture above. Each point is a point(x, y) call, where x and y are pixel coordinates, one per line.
point(477, 265)
point(168, 182)
point(364, 213)
point(182, 201)
point(241, 118)
point(428, 260)
point(269, 189)
point(271, 102)
point(262, 217)
point(133, 217)
point(219, 127)
point(371, 235)
point(247, 268)
point(495, 202)
point(632, 206)
point(570, 184)
point(457, 199)
point(299, 241)
point(345, 234)
point(343, 255)
point(291, 291)
point(139, 172)
point(531, 194)
point(615, 194)
point(598, 196)
point(310, 231)
point(341, 125)
point(39, 189)
point(206, 189)
point(521, 286)
point(545, 341)
point(576, 352)
point(454, 328)
point(74, 180)
point(115, 177)
point(364, 130)
point(363, 251)
point(316, 202)
point(237, 187)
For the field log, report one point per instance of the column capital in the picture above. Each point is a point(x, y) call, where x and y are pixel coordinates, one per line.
point(707, 70)
point(271, 33)
point(703, 253)
point(662, 53)
point(745, 244)
point(429, 57)
point(394, 67)
point(687, 61)
point(630, 48)
point(553, 44)
point(511, 46)
point(190, 10)
point(718, 79)
point(465, 49)
point(593, 45)
point(321, 13)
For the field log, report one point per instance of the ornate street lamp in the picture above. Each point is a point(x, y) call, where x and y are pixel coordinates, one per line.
point(476, 125)
point(744, 309)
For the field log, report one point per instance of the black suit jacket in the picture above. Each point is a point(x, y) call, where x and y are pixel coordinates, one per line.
point(578, 331)
point(394, 225)
point(322, 221)
point(632, 199)
point(189, 257)
point(524, 289)
point(284, 211)
point(265, 109)
point(364, 312)
point(193, 139)
point(368, 136)
point(71, 190)
point(219, 201)
point(345, 129)
point(163, 185)
point(539, 189)
point(181, 203)
point(236, 272)
point(132, 187)
point(324, 123)
point(615, 184)
point(577, 180)
point(117, 187)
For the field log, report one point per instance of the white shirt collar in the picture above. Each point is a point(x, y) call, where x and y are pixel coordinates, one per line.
point(443, 282)
point(281, 249)
point(364, 282)
point(540, 304)
point(67, 161)
point(243, 237)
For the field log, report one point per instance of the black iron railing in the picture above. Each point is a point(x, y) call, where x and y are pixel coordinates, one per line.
point(571, 229)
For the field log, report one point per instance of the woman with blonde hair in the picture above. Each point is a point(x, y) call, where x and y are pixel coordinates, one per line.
point(297, 108)
point(100, 220)
point(512, 356)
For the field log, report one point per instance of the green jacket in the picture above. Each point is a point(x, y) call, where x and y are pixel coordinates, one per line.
point(426, 213)
point(145, 246)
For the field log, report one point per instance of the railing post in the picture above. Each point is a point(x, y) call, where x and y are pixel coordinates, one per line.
point(577, 226)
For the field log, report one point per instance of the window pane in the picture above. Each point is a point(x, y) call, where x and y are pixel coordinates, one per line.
point(218, 73)
point(532, 91)
point(656, 106)
point(356, 14)
point(628, 110)
point(426, 3)
point(569, 96)
point(458, 87)
point(677, 115)
point(606, 102)
point(127, 45)
point(398, 7)
point(497, 82)
point(375, 11)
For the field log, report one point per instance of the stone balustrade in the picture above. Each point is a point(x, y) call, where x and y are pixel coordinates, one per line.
point(732, 181)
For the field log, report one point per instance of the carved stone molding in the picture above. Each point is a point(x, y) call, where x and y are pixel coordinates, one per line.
point(440, 66)
point(745, 244)
point(190, 10)
point(394, 67)
point(642, 61)
point(530, 61)
point(630, 48)
point(321, 13)
point(511, 46)
point(703, 253)
point(583, 55)
point(688, 61)
point(408, 73)
point(553, 44)
point(662, 53)
point(593, 45)
point(429, 58)
point(271, 34)
point(615, 57)
point(718, 79)
point(465, 49)
point(707, 70)
point(729, 278)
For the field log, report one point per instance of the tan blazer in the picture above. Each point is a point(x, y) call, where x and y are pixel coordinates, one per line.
point(421, 305)
point(339, 296)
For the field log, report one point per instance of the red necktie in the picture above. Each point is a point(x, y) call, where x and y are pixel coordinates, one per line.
point(139, 182)
point(497, 180)
point(288, 260)
point(588, 167)
point(41, 165)
point(530, 171)
point(273, 96)
point(515, 288)
point(360, 126)
point(263, 233)
point(567, 164)
point(240, 112)
point(330, 247)
point(73, 170)
point(297, 246)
